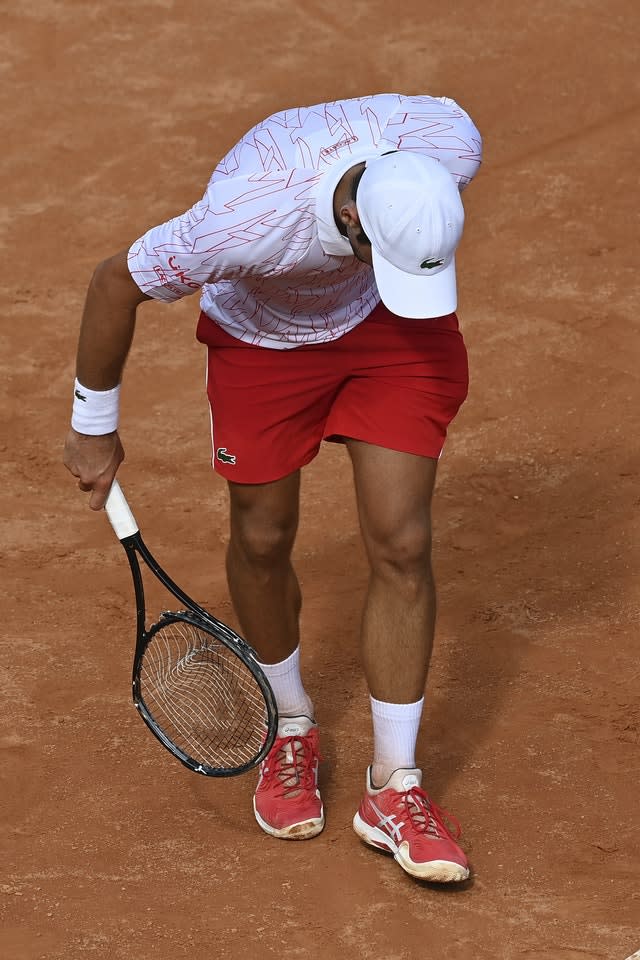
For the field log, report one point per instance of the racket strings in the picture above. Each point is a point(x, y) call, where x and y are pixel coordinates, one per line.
point(202, 696)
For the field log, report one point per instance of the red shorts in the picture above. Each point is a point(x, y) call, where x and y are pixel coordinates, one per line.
point(390, 381)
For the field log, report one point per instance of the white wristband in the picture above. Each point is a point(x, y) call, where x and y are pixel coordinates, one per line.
point(95, 412)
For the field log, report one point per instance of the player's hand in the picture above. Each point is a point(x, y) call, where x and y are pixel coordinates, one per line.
point(94, 461)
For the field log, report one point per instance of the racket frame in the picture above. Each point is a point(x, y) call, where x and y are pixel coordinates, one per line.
point(199, 617)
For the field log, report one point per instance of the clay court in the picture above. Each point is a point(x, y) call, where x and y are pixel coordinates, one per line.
point(114, 116)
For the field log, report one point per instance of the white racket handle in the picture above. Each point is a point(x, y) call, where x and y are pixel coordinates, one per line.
point(119, 513)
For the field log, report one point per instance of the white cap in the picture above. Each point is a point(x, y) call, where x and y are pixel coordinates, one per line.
point(410, 208)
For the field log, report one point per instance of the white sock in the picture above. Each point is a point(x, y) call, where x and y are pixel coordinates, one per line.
point(395, 732)
point(286, 683)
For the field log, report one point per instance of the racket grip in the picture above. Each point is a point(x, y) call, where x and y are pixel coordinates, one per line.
point(119, 513)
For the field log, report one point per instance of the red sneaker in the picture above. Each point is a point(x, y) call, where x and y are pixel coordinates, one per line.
point(287, 801)
point(401, 819)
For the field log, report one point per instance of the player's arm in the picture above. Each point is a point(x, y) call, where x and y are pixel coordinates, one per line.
point(93, 451)
point(227, 234)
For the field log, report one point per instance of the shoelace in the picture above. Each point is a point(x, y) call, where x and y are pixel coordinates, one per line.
point(427, 817)
point(291, 761)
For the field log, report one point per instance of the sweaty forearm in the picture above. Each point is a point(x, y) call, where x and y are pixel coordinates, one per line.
point(108, 324)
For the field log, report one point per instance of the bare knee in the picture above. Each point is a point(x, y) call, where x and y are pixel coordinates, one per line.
point(403, 556)
point(264, 522)
point(263, 540)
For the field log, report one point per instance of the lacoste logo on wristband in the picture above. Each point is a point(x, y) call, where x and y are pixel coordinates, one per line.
point(80, 396)
point(221, 454)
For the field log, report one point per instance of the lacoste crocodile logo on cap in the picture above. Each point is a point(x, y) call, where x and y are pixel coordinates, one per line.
point(430, 264)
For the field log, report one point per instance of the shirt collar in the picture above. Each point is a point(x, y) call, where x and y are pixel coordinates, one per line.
point(330, 238)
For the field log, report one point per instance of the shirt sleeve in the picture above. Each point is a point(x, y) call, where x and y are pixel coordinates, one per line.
point(255, 225)
point(439, 128)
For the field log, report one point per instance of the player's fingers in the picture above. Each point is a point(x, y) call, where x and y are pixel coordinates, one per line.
point(98, 498)
point(85, 487)
point(97, 502)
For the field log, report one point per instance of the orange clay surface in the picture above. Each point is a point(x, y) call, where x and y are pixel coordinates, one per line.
point(114, 114)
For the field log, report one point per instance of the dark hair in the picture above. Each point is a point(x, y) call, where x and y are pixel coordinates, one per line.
point(355, 183)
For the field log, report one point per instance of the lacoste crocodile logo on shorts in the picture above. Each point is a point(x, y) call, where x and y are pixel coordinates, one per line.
point(221, 454)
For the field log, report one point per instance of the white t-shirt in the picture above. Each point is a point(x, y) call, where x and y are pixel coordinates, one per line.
point(262, 244)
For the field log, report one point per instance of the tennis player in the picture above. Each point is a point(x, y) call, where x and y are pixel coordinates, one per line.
point(324, 252)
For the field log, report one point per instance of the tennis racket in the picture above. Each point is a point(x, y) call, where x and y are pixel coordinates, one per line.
point(196, 684)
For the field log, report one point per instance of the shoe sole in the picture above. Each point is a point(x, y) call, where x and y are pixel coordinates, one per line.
point(304, 830)
point(435, 871)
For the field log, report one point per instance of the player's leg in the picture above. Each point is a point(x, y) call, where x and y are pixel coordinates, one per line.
point(266, 596)
point(268, 409)
point(265, 427)
point(263, 585)
point(408, 381)
point(394, 493)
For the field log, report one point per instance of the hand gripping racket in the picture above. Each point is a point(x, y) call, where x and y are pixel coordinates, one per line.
point(196, 684)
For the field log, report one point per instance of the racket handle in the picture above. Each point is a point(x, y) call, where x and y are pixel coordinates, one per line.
point(119, 513)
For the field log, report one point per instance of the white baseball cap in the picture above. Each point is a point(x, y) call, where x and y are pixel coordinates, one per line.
point(410, 208)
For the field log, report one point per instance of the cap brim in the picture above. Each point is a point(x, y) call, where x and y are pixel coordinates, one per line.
point(407, 295)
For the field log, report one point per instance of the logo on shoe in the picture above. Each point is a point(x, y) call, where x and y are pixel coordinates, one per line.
point(221, 454)
point(388, 823)
point(410, 781)
point(291, 730)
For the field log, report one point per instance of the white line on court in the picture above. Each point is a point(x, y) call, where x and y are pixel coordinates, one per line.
point(634, 956)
